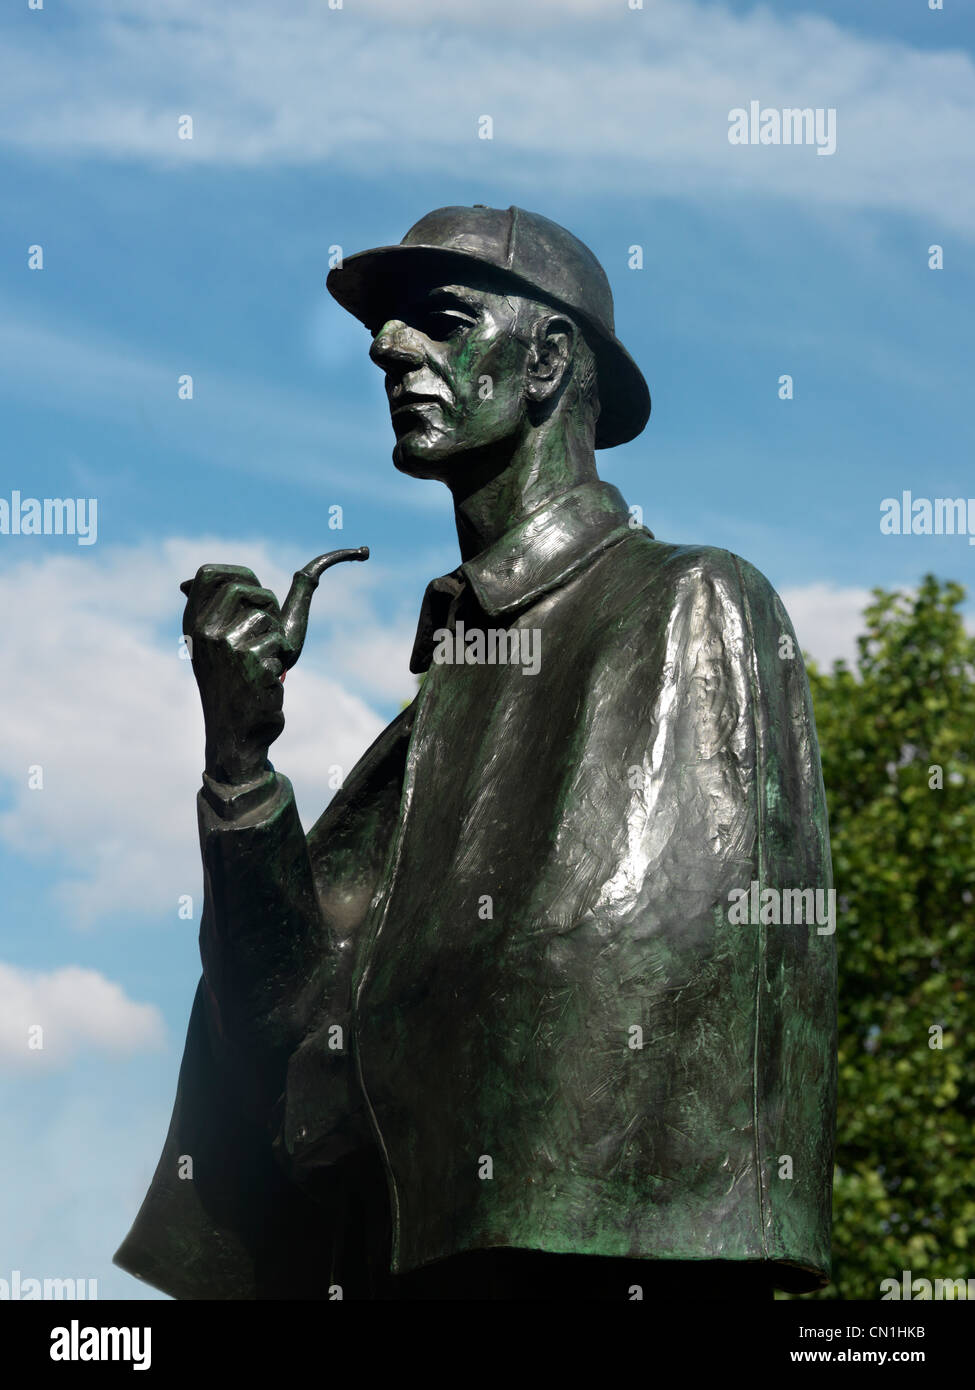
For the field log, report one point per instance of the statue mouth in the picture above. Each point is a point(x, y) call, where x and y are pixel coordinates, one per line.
point(398, 405)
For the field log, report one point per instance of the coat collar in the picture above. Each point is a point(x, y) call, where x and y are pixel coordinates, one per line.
point(541, 553)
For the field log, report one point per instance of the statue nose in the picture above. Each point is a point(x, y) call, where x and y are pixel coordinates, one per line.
point(395, 343)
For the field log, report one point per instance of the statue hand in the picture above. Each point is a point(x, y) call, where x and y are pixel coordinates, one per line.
point(241, 643)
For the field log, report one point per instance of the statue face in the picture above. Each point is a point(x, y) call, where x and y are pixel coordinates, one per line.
point(455, 376)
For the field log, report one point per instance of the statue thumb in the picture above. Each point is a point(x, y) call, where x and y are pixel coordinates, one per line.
point(296, 607)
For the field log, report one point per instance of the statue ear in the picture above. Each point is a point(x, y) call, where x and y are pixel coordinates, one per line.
point(550, 351)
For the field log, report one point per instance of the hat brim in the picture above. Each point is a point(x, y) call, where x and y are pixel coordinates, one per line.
point(369, 283)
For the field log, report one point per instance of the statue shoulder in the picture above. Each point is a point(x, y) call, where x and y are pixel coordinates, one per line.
point(679, 571)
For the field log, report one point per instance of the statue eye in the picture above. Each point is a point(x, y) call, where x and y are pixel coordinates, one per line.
point(442, 324)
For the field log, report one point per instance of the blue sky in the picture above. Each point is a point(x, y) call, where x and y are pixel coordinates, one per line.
point(312, 128)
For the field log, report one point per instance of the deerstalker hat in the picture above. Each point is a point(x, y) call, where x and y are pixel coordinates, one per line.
point(541, 259)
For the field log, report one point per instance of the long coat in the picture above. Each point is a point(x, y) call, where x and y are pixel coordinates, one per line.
point(502, 993)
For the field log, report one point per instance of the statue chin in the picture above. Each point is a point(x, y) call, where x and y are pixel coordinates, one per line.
point(410, 461)
point(416, 454)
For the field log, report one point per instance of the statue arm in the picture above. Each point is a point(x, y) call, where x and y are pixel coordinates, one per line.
point(221, 1219)
point(264, 943)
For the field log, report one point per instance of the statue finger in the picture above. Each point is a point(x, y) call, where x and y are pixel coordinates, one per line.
point(250, 623)
point(208, 581)
point(234, 604)
point(267, 651)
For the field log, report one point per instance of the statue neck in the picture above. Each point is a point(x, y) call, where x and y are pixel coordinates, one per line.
point(497, 493)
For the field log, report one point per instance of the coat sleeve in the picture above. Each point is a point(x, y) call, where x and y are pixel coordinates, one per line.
point(220, 1220)
point(796, 998)
point(279, 1198)
point(748, 811)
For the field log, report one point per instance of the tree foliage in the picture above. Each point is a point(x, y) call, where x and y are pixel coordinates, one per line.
point(897, 737)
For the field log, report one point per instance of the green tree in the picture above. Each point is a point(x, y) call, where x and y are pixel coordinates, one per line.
point(897, 737)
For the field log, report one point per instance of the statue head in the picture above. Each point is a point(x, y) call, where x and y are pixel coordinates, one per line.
point(491, 326)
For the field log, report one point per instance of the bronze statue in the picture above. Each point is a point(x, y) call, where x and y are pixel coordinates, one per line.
point(519, 1017)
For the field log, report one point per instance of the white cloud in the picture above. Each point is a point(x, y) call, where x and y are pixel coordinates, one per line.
point(379, 659)
point(72, 1183)
point(827, 620)
point(74, 1009)
point(615, 94)
point(94, 692)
